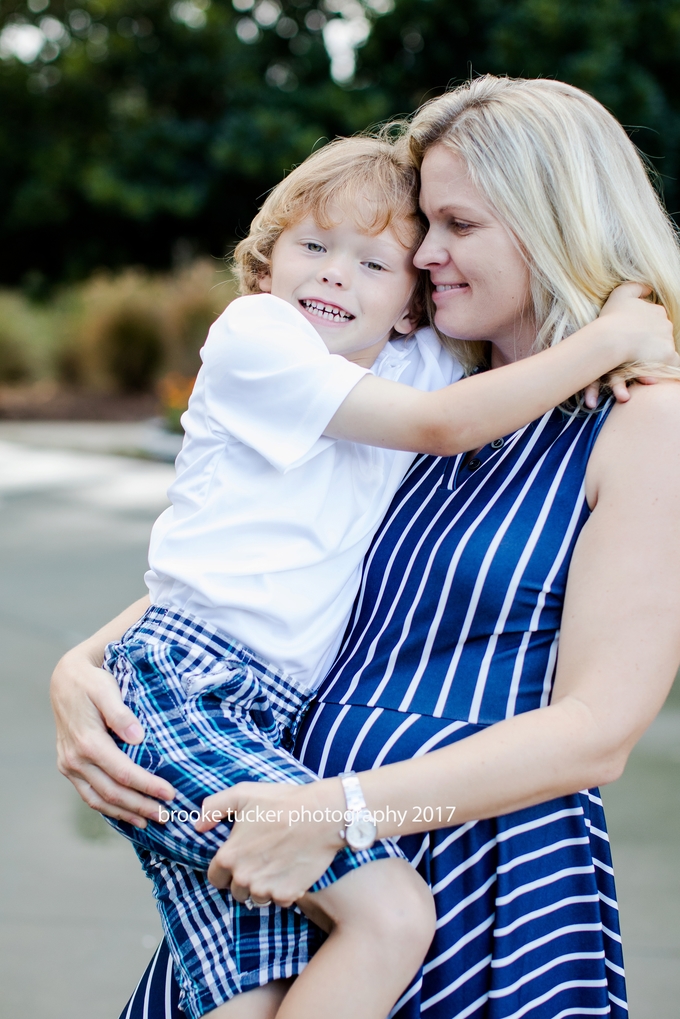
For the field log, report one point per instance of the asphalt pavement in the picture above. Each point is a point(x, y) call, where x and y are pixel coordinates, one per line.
point(77, 920)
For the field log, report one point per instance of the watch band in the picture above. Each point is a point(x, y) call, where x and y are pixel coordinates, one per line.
point(354, 797)
point(360, 831)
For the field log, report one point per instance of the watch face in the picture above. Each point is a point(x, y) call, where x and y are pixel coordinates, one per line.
point(361, 833)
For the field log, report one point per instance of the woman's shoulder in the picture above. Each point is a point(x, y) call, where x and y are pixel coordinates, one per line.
point(653, 409)
point(639, 444)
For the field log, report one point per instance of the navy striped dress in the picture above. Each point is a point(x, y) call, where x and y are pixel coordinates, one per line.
point(455, 627)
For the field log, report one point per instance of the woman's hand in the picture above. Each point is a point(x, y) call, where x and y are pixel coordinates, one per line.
point(86, 702)
point(647, 331)
point(284, 837)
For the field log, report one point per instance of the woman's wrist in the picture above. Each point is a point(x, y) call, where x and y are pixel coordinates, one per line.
point(69, 672)
point(90, 652)
point(327, 806)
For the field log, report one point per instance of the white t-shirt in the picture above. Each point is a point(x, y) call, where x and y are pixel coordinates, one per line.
point(270, 519)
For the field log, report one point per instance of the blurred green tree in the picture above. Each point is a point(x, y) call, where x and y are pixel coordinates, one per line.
point(142, 130)
point(624, 52)
point(146, 130)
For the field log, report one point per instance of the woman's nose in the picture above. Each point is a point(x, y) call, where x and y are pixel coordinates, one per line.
point(430, 253)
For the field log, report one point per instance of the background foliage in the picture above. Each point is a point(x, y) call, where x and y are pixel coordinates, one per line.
point(112, 332)
point(144, 131)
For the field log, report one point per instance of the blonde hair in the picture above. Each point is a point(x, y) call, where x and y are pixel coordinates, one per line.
point(569, 184)
point(372, 176)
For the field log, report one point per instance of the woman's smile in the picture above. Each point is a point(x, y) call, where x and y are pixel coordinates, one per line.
point(440, 289)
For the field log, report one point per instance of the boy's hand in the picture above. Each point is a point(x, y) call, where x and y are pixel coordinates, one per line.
point(645, 327)
point(647, 332)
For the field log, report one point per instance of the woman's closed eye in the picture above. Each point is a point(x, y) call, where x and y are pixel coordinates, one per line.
point(460, 226)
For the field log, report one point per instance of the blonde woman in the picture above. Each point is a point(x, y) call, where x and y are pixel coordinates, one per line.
point(449, 698)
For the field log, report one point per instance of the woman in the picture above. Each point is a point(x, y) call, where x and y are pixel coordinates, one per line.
point(446, 693)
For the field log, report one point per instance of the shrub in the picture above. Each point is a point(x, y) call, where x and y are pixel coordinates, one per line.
point(174, 391)
point(132, 349)
point(14, 366)
point(196, 296)
point(115, 333)
point(28, 339)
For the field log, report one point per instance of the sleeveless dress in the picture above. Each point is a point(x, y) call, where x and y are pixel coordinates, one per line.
point(456, 627)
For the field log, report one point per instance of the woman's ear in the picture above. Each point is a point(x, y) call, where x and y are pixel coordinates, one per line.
point(265, 283)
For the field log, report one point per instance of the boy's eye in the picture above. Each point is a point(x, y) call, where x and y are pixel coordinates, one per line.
point(314, 246)
point(374, 265)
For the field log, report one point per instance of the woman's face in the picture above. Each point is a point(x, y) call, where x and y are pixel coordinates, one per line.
point(480, 279)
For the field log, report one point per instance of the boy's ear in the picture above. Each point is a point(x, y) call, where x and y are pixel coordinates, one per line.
point(415, 314)
point(265, 284)
point(408, 322)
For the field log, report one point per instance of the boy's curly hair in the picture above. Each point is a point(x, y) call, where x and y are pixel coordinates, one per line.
point(374, 177)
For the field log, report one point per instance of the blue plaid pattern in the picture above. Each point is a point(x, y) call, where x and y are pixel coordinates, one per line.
point(213, 715)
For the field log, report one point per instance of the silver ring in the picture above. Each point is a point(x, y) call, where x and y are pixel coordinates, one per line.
point(250, 903)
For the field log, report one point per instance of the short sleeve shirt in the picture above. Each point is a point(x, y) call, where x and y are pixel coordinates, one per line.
point(269, 380)
point(270, 518)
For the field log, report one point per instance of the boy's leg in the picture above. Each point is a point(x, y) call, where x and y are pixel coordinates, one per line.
point(193, 741)
point(222, 950)
point(383, 921)
point(199, 742)
point(260, 1003)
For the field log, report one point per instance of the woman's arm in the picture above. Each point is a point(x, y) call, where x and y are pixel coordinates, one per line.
point(620, 635)
point(483, 407)
point(86, 700)
point(619, 651)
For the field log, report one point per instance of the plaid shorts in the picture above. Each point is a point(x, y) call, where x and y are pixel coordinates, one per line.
point(213, 715)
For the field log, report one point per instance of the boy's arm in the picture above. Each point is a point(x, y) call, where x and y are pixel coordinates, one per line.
point(473, 412)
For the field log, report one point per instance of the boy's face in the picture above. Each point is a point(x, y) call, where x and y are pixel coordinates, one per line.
point(354, 287)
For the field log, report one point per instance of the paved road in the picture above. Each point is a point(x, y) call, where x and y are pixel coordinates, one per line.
point(77, 923)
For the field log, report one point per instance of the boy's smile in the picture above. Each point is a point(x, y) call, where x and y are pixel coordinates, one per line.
point(354, 287)
point(328, 312)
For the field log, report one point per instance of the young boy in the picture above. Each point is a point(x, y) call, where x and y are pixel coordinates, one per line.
point(254, 567)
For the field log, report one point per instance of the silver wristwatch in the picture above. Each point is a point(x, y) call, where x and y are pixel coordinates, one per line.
point(360, 831)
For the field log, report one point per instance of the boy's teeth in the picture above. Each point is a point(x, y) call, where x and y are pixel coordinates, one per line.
point(327, 311)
